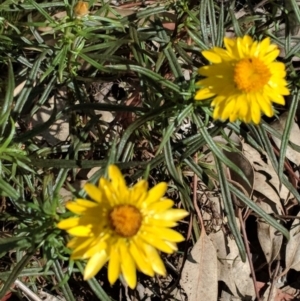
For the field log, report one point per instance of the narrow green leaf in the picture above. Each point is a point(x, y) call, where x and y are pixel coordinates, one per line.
point(221, 26)
point(203, 22)
point(229, 209)
point(15, 272)
point(8, 98)
point(41, 10)
point(241, 196)
point(175, 123)
point(33, 75)
point(286, 132)
point(167, 49)
point(215, 149)
point(139, 122)
point(61, 277)
point(212, 21)
point(269, 149)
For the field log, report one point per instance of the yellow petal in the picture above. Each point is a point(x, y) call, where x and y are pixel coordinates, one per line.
point(117, 178)
point(172, 215)
point(94, 192)
point(140, 259)
point(155, 193)
point(159, 222)
point(265, 105)
point(81, 231)
point(161, 205)
point(270, 57)
point(138, 193)
point(156, 242)
point(204, 93)
point(95, 264)
point(165, 233)
point(114, 265)
point(255, 112)
point(86, 203)
point(80, 246)
point(212, 56)
point(156, 262)
point(68, 223)
point(127, 266)
point(80, 207)
point(97, 247)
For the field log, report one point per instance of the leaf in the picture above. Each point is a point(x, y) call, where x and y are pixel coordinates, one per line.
point(266, 180)
point(294, 136)
point(199, 276)
point(224, 266)
point(231, 269)
point(292, 253)
point(270, 240)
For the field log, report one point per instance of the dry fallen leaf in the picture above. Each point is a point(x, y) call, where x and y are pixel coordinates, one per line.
point(279, 126)
point(266, 181)
point(199, 276)
point(269, 238)
point(292, 253)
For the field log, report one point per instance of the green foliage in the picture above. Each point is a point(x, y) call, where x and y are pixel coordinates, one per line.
point(157, 130)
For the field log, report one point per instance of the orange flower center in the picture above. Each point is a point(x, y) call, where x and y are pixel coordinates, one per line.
point(251, 75)
point(125, 220)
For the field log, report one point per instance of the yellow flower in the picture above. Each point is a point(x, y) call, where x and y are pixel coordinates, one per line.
point(124, 226)
point(244, 79)
point(81, 9)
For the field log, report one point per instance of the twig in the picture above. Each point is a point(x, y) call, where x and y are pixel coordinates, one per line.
point(29, 293)
point(248, 253)
point(274, 278)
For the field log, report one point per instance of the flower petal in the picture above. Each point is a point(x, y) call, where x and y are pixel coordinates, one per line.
point(94, 192)
point(114, 267)
point(95, 264)
point(127, 266)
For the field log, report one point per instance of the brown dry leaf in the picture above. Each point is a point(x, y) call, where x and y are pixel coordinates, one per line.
point(243, 163)
point(292, 253)
point(269, 238)
point(240, 271)
point(266, 181)
point(224, 266)
point(278, 294)
point(58, 131)
point(231, 269)
point(279, 126)
point(199, 276)
point(240, 161)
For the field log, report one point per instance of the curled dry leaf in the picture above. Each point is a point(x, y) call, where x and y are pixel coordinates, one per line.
point(199, 276)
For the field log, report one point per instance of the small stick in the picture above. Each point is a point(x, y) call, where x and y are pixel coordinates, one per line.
point(274, 277)
point(29, 293)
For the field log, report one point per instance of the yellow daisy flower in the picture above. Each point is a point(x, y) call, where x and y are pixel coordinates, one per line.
point(244, 79)
point(124, 227)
